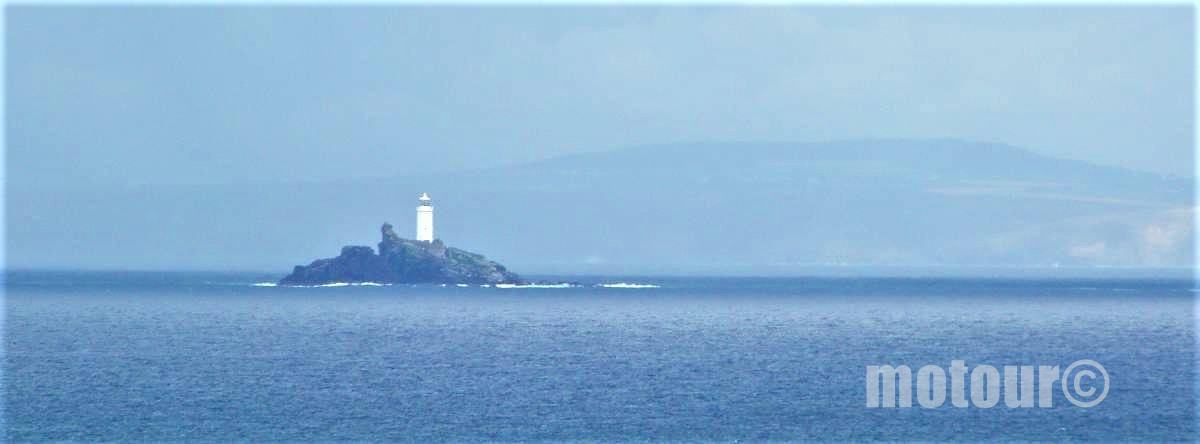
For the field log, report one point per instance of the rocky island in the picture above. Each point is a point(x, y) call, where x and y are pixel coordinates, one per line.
point(402, 261)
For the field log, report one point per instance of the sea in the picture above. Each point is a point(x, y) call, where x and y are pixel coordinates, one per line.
point(229, 357)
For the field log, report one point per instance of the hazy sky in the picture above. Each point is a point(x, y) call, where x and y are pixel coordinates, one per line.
point(141, 95)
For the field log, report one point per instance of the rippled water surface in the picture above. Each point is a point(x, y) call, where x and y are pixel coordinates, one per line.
point(210, 357)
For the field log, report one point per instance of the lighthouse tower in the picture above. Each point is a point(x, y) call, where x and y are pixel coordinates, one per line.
point(424, 218)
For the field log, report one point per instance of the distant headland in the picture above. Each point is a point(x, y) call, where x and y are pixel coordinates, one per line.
point(425, 260)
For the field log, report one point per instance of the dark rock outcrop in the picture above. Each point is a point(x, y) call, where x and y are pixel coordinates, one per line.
point(402, 261)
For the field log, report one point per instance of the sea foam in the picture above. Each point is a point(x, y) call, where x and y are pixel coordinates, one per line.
point(561, 285)
point(331, 284)
point(627, 285)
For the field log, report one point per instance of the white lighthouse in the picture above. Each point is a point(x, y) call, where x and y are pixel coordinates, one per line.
point(424, 218)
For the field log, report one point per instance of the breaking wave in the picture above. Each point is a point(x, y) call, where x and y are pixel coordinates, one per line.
point(626, 285)
point(540, 285)
point(561, 285)
point(348, 284)
point(331, 284)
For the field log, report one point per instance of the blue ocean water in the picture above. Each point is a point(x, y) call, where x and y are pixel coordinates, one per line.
point(210, 357)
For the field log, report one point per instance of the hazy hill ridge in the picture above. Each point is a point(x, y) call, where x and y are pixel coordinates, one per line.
point(665, 207)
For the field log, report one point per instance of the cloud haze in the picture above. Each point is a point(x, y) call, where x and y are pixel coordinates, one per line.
point(221, 94)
